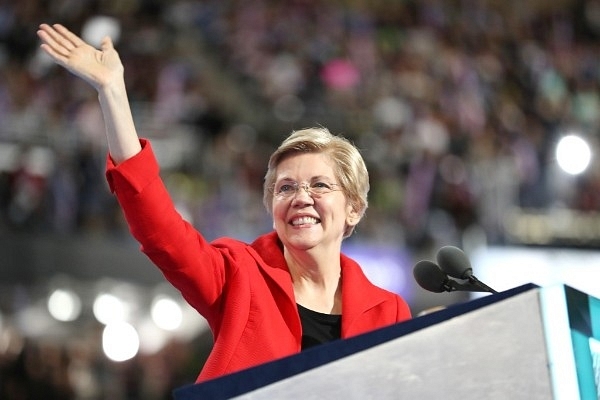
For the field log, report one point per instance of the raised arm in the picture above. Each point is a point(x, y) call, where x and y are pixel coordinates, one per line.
point(101, 68)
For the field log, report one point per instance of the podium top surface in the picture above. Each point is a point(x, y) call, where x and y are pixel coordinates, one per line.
point(245, 381)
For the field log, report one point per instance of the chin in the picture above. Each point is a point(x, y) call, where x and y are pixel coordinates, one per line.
point(302, 241)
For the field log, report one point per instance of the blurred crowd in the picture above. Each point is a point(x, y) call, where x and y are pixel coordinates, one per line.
point(46, 369)
point(456, 105)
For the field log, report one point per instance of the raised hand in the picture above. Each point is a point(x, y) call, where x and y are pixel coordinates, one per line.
point(98, 67)
point(101, 68)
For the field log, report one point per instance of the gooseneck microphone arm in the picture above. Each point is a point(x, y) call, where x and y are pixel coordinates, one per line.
point(480, 284)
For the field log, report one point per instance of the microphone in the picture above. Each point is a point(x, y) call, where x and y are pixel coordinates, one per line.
point(431, 277)
point(455, 263)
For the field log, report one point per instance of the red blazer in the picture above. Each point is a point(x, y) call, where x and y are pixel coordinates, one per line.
point(243, 290)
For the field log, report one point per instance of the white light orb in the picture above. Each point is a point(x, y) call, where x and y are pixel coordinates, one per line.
point(573, 154)
point(97, 27)
point(120, 341)
point(64, 305)
point(108, 308)
point(166, 313)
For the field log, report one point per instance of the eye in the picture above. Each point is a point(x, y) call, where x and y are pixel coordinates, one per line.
point(285, 188)
point(321, 187)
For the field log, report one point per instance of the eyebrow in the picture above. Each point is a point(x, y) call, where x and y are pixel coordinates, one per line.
point(312, 179)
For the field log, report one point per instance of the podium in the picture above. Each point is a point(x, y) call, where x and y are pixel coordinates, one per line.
point(525, 343)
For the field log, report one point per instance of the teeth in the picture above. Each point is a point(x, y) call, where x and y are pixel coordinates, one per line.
point(304, 221)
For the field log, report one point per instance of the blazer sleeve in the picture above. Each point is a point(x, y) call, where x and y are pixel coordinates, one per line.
point(183, 255)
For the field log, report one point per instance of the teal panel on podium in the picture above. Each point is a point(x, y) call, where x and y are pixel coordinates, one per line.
point(584, 325)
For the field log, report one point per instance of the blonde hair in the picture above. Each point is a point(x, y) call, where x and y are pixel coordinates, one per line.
point(349, 167)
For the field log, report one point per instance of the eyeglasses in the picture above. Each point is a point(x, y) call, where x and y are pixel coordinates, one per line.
point(287, 189)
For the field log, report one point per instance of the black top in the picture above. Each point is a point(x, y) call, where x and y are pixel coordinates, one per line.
point(318, 328)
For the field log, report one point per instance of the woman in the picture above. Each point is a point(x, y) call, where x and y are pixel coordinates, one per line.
point(288, 290)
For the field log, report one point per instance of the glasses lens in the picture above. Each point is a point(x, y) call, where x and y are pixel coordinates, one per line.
point(287, 188)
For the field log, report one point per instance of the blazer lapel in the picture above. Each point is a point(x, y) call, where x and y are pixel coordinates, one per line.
point(359, 296)
point(267, 250)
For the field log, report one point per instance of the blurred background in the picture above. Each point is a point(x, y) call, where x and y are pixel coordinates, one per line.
point(478, 120)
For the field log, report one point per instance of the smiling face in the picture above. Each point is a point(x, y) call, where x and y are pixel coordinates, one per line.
point(304, 221)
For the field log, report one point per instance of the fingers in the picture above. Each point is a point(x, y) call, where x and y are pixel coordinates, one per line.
point(59, 40)
point(70, 36)
point(53, 42)
point(49, 46)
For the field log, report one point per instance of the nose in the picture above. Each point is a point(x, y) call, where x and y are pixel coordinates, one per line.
point(305, 187)
point(303, 194)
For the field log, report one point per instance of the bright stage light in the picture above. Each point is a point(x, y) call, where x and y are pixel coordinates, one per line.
point(166, 313)
point(120, 341)
point(64, 305)
point(99, 26)
point(108, 308)
point(573, 154)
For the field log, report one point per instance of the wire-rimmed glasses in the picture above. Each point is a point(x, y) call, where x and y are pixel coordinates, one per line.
point(286, 189)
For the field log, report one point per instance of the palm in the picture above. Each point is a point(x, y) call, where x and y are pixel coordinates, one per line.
point(97, 67)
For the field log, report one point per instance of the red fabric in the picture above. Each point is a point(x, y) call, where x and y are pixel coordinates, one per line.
point(243, 290)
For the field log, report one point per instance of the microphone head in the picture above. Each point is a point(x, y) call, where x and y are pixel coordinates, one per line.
point(430, 277)
point(454, 262)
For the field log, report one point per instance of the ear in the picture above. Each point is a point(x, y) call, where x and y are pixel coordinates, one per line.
point(353, 218)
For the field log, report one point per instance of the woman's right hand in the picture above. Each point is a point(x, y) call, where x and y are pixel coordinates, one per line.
point(99, 67)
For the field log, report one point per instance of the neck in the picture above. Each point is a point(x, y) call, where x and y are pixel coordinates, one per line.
point(317, 283)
